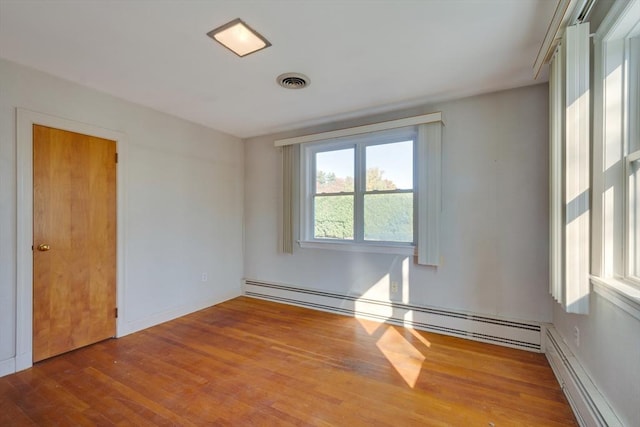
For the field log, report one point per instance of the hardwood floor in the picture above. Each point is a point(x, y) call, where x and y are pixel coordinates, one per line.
point(248, 362)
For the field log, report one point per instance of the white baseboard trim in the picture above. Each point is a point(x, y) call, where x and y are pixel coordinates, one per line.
point(510, 333)
point(129, 327)
point(7, 366)
point(23, 361)
point(588, 404)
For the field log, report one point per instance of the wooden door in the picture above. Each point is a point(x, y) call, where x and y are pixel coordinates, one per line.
point(74, 241)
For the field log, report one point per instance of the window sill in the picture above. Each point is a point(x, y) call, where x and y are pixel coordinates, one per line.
point(619, 292)
point(360, 247)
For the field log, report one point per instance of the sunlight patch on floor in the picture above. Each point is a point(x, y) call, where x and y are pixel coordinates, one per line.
point(369, 325)
point(403, 356)
point(419, 337)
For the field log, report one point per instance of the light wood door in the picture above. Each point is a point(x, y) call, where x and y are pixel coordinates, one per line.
point(74, 247)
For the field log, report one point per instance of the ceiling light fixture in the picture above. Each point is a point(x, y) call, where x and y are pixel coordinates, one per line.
point(239, 38)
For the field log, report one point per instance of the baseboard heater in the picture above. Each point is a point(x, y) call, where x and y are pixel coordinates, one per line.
point(588, 404)
point(509, 333)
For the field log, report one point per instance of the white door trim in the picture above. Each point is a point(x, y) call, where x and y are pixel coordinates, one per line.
point(24, 261)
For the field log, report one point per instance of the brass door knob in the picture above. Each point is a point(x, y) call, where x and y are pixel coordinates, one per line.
point(43, 247)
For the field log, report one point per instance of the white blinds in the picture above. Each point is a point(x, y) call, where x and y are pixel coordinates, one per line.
point(289, 163)
point(570, 171)
point(429, 194)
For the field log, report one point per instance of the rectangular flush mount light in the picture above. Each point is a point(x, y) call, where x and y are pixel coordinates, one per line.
point(239, 38)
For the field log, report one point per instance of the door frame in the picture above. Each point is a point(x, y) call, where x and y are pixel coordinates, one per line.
point(25, 119)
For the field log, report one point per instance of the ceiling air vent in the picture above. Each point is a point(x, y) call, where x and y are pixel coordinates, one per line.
point(293, 80)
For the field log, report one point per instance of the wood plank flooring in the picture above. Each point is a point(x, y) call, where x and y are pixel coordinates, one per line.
point(248, 362)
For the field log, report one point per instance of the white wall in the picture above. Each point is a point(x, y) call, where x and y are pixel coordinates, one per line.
point(184, 201)
point(494, 226)
point(609, 352)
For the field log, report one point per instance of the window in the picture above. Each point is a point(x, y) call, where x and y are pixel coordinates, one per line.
point(633, 216)
point(632, 155)
point(360, 189)
point(618, 147)
point(370, 188)
point(616, 167)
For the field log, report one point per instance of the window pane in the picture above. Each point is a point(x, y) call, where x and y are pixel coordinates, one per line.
point(388, 217)
point(390, 166)
point(634, 217)
point(333, 217)
point(334, 171)
point(634, 94)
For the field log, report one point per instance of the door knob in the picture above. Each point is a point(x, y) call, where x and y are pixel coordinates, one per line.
point(43, 247)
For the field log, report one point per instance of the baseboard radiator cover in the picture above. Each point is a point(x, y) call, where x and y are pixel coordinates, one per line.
point(509, 333)
point(589, 406)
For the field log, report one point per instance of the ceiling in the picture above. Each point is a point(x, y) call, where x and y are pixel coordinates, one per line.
point(362, 56)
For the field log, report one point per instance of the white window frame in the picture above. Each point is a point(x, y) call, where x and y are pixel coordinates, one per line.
point(614, 91)
point(630, 225)
point(308, 174)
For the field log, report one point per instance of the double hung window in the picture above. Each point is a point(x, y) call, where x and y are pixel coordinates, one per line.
point(632, 154)
point(360, 189)
point(616, 171)
point(370, 188)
